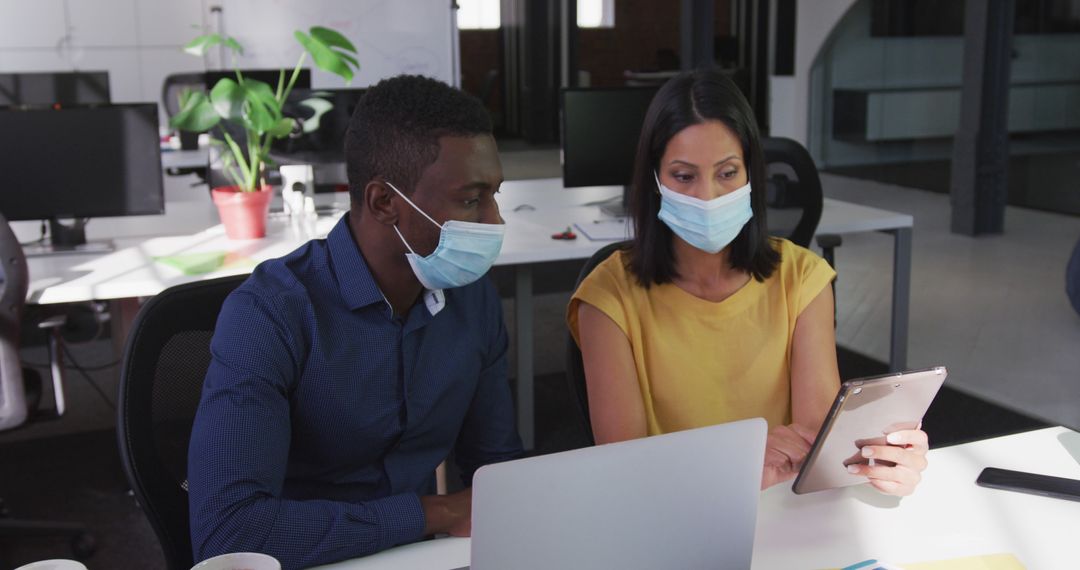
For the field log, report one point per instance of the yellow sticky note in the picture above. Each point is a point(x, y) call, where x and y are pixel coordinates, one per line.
point(1001, 561)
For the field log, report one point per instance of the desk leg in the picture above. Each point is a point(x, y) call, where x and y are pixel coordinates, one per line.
point(523, 322)
point(901, 300)
point(122, 315)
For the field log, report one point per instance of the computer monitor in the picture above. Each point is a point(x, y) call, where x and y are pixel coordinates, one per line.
point(322, 117)
point(79, 162)
point(65, 88)
point(601, 127)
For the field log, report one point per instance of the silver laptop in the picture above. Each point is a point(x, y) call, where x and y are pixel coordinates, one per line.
point(681, 500)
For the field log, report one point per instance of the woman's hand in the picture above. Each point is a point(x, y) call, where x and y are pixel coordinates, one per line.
point(785, 451)
point(897, 467)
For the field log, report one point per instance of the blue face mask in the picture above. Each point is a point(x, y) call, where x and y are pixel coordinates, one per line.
point(709, 225)
point(465, 252)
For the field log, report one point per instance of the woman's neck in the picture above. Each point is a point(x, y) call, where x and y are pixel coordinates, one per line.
point(708, 276)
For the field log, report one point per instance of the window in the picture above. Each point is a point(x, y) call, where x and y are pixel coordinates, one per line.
point(596, 13)
point(478, 14)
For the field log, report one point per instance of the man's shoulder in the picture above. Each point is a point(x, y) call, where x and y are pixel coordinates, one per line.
point(291, 275)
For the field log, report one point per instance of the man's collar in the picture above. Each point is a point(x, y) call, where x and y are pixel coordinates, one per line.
point(355, 282)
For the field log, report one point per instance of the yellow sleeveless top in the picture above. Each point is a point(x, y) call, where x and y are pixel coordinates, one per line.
point(701, 363)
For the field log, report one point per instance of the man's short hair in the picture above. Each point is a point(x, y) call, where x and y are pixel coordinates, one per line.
point(394, 131)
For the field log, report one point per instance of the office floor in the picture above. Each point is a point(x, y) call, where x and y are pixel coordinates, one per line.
point(992, 309)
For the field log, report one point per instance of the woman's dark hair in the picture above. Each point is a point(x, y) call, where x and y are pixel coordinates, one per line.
point(692, 98)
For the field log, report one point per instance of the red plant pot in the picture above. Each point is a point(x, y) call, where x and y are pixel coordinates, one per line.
point(242, 213)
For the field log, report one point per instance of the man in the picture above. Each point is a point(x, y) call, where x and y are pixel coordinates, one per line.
point(346, 371)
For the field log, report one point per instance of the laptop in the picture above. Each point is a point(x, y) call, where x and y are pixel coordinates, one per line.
point(681, 500)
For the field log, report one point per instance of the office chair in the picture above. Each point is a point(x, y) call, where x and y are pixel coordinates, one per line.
point(784, 159)
point(14, 280)
point(165, 361)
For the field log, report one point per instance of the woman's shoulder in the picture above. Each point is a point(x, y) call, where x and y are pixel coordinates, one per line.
point(793, 255)
point(800, 267)
point(612, 273)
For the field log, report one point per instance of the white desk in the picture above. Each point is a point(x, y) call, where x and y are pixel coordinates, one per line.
point(948, 517)
point(533, 209)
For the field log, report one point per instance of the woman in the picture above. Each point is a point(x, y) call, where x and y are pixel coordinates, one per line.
point(704, 319)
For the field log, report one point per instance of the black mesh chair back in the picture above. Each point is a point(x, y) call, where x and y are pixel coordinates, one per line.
point(794, 190)
point(165, 361)
point(575, 368)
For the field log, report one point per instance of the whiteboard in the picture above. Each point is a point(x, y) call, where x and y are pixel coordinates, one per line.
point(391, 36)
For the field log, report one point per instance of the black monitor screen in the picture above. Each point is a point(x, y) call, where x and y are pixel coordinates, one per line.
point(270, 76)
point(600, 134)
point(80, 162)
point(322, 117)
point(66, 88)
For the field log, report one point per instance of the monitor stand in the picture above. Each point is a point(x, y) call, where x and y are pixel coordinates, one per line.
point(67, 240)
point(617, 207)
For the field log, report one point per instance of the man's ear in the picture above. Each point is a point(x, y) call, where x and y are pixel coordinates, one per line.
point(379, 204)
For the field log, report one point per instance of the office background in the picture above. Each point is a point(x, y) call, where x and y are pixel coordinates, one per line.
point(992, 308)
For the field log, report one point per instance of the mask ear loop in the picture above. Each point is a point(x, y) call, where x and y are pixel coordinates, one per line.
point(402, 238)
point(415, 207)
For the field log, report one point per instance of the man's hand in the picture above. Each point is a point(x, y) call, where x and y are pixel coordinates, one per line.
point(448, 514)
point(785, 451)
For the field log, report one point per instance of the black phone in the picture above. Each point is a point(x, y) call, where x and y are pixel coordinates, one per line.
point(1020, 481)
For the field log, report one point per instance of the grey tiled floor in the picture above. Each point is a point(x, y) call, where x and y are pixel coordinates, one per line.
point(991, 308)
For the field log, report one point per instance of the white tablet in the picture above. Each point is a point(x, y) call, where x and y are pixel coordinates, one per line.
point(865, 410)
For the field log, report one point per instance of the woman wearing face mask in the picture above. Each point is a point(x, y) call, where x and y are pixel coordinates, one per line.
point(705, 319)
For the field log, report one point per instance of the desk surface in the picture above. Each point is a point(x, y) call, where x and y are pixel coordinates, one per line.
point(533, 209)
point(948, 516)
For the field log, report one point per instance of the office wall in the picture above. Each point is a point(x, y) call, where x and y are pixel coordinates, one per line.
point(911, 86)
point(789, 96)
point(139, 41)
point(641, 29)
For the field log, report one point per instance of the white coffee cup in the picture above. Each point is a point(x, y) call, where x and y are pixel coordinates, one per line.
point(239, 561)
point(56, 564)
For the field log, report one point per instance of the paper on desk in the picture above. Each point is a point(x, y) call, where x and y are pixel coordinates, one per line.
point(203, 262)
point(606, 230)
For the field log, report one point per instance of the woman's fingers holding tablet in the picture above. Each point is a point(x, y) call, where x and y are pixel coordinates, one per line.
point(897, 467)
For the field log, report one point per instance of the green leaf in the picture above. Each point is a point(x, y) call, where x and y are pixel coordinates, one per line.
point(200, 45)
point(350, 59)
point(234, 45)
point(283, 127)
point(227, 97)
point(261, 108)
point(196, 113)
point(324, 57)
point(332, 38)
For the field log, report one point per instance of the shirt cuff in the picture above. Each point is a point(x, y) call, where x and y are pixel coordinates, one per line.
point(401, 518)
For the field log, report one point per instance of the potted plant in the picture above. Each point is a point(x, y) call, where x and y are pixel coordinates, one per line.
point(255, 108)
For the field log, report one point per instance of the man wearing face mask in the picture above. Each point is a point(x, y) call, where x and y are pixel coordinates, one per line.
point(346, 371)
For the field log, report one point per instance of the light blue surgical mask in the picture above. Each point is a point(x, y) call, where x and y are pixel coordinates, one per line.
point(709, 225)
point(465, 252)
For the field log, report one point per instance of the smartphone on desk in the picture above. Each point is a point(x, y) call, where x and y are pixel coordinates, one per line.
point(1033, 483)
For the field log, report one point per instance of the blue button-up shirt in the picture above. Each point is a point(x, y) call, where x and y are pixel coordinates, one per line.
point(324, 415)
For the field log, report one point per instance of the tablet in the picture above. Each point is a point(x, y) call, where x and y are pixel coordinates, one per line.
point(864, 411)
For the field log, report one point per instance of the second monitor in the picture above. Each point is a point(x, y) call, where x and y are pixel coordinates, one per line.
point(600, 134)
